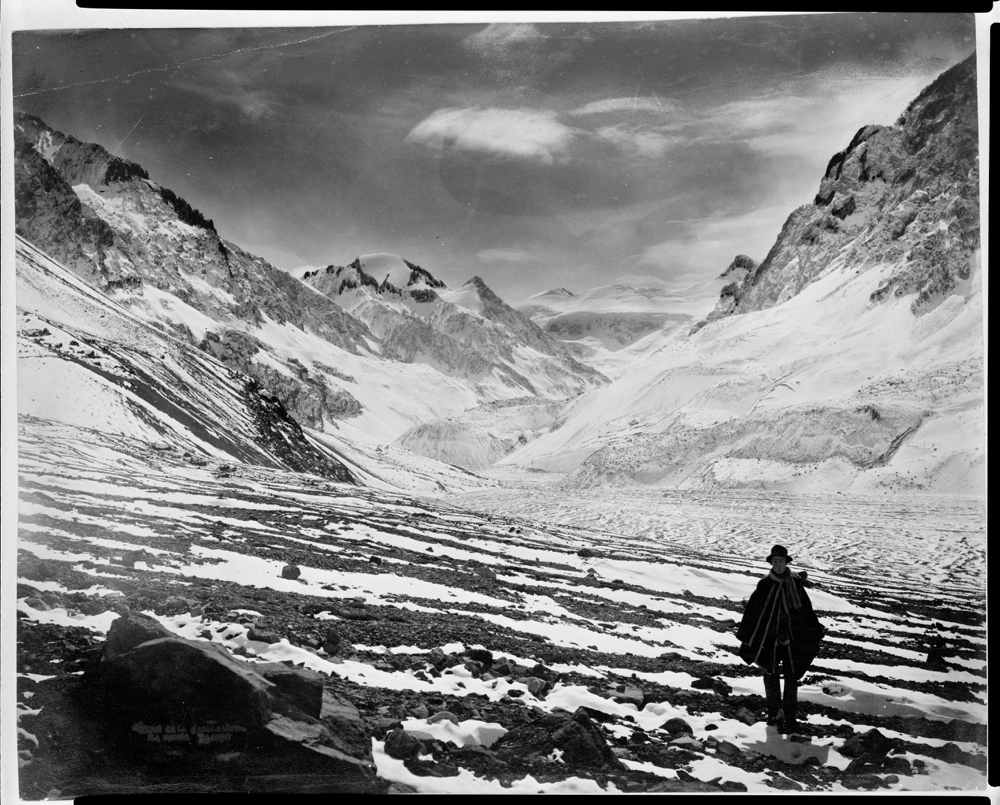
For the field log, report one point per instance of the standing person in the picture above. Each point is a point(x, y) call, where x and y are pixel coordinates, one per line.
point(780, 633)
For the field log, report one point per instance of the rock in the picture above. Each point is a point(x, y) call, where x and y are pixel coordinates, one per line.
point(484, 571)
point(331, 642)
point(290, 572)
point(402, 745)
point(420, 711)
point(630, 695)
point(727, 748)
point(688, 742)
point(721, 687)
point(579, 739)
point(784, 784)
point(299, 686)
point(896, 765)
point(536, 686)
point(746, 717)
point(872, 742)
point(263, 637)
point(443, 715)
point(481, 655)
point(865, 782)
point(676, 726)
point(289, 731)
point(374, 560)
point(131, 630)
point(400, 788)
point(586, 553)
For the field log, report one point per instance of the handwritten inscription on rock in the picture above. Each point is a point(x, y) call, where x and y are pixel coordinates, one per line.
point(199, 734)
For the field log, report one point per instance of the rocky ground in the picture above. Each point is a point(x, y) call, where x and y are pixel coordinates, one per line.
point(214, 627)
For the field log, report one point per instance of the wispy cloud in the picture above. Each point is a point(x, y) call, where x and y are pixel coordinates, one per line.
point(633, 104)
point(519, 133)
point(705, 245)
point(505, 256)
point(228, 88)
point(645, 142)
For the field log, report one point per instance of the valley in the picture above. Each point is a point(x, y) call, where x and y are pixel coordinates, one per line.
point(351, 528)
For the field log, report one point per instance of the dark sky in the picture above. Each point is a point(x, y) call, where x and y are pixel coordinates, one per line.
point(533, 155)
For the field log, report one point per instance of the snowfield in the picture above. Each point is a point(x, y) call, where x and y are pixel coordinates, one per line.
point(650, 605)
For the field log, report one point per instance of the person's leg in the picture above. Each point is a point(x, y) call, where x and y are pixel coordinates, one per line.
point(790, 699)
point(772, 694)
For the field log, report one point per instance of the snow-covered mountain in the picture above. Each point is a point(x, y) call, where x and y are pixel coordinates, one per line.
point(599, 324)
point(468, 332)
point(164, 261)
point(857, 360)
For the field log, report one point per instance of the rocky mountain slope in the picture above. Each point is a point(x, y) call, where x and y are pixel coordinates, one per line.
point(857, 360)
point(906, 194)
point(156, 255)
point(87, 363)
point(468, 333)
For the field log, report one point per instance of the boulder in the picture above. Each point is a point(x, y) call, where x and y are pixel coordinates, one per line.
point(332, 641)
point(578, 738)
point(290, 572)
point(675, 726)
point(405, 744)
point(872, 742)
point(283, 728)
point(262, 636)
point(131, 630)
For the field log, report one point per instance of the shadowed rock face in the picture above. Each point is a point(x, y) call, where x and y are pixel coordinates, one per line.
point(167, 708)
point(107, 221)
point(906, 194)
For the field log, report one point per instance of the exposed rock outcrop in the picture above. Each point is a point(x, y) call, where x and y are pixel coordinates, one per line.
point(906, 194)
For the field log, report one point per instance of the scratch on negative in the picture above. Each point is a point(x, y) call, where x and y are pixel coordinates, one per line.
point(183, 63)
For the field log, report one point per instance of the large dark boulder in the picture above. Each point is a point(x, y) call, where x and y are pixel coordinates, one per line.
point(576, 736)
point(168, 709)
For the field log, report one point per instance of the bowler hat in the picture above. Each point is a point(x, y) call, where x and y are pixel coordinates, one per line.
point(780, 550)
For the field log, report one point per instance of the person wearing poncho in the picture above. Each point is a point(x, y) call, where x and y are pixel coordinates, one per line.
point(780, 633)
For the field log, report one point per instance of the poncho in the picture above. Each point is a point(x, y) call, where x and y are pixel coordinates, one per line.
point(780, 610)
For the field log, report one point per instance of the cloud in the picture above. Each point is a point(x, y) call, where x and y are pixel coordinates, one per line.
point(634, 104)
point(642, 141)
point(227, 88)
point(519, 133)
point(705, 246)
point(505, 256)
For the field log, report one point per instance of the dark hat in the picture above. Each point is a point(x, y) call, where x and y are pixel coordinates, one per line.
point(780, 550)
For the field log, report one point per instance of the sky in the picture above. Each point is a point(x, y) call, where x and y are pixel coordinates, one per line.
point(533, 155)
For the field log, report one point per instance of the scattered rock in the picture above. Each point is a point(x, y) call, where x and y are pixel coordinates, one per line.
point(676, 726)
point(290, 572)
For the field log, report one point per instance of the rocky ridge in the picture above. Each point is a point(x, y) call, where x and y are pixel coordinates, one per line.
point(469, 333)
point(905, 195)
